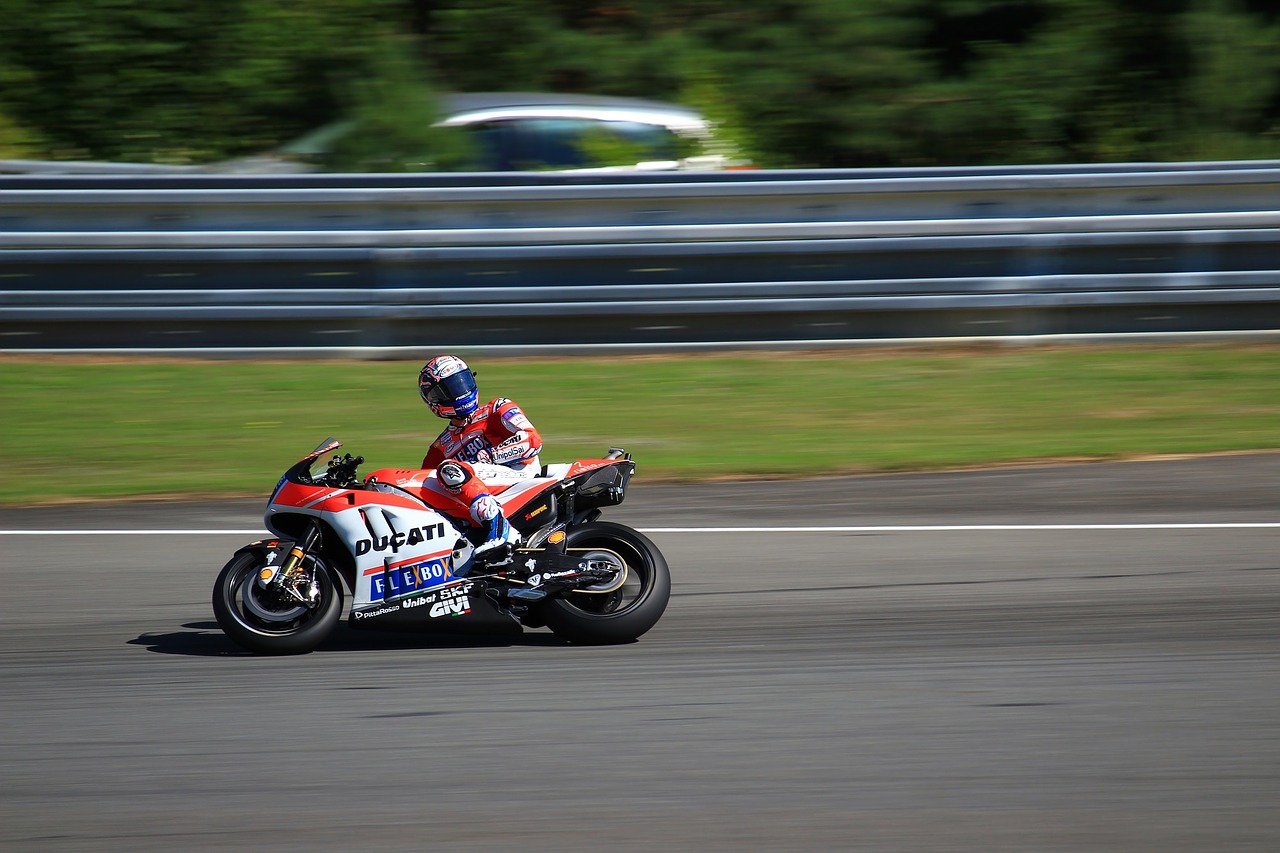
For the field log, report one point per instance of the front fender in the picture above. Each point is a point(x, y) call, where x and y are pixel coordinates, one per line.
point(265, 546)
point(270, 552)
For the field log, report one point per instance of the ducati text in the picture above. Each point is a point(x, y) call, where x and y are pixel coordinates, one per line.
point(397, 541)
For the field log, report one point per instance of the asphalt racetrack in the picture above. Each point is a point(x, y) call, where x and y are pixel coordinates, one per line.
point(1068, 658)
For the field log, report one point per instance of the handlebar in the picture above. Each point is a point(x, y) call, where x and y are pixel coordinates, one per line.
point(342, 471)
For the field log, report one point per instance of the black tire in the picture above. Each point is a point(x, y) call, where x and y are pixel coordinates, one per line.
point(623, 615)
point(277, 628)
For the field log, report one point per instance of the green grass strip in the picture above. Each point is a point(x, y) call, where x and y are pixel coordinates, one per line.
point(87, 428)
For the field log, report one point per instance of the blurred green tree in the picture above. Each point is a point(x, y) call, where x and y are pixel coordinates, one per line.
point(1232, 102)
point(389, 121)
point(829, 83)
point(172, 81)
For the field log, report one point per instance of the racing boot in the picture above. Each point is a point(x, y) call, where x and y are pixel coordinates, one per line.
point(501, 538)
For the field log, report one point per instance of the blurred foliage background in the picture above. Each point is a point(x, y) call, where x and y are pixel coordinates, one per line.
point(795, 83)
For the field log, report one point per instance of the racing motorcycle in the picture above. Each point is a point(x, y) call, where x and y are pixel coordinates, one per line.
point(399, 545)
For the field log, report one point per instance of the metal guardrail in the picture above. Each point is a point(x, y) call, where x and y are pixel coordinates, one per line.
point(638, 204)
point(619, 234)
point(33, 174)
point(824, 257)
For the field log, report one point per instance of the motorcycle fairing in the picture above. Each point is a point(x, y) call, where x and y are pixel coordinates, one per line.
point(397, 544)
point(397, 550)
point(519, 497)
point(424, 484)
point(534, 513)
point(397, 580)
point(459, 606)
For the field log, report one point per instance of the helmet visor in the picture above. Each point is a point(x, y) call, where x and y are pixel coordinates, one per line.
point(451, 390)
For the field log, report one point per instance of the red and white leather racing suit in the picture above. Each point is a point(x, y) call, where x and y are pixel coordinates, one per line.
point(497, 442)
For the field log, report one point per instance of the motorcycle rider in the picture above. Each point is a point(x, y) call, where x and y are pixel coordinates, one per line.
point(493, 441)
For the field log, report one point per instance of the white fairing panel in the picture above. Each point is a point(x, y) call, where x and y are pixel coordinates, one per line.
point(398, 551)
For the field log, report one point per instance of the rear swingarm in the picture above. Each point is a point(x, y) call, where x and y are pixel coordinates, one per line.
point(550, 572)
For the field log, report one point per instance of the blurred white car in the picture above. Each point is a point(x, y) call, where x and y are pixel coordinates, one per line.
point(516, 131)
point(532, 131)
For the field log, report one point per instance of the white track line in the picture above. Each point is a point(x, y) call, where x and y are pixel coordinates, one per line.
point(949, 528)
point(898, 528)
point(158, 532)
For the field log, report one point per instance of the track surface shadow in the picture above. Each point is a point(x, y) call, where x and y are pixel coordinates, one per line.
point(205, 639)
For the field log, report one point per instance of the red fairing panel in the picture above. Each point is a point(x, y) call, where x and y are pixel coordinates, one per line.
point(423, 484)
point(513, 495)
point(584, 465)
point(329, 499)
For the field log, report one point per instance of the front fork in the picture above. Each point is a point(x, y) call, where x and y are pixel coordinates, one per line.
point(292, 577)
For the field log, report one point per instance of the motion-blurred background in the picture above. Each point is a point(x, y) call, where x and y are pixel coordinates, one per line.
point(1033, 656)
point(790, 83)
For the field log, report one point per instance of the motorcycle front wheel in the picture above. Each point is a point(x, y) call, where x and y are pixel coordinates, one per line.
point(268, 622)
point(621, 615)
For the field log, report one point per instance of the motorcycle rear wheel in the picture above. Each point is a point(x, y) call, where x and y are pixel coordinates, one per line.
point(265, 624)
point(625, 614)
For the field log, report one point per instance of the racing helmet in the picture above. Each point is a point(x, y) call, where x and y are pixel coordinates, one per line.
point(448, 386)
